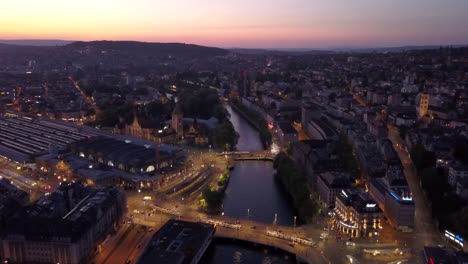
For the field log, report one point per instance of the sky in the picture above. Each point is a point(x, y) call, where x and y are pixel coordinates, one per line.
point(242, 23)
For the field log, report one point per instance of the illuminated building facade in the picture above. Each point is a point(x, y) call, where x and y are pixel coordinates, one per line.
point(357, 214)
point(423, 105)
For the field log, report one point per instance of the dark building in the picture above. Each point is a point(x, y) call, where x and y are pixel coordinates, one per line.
point(329, 184)
point(123, 155)
point(11, 200)
point(178, 242)
point(438, 255)
point(64, 226)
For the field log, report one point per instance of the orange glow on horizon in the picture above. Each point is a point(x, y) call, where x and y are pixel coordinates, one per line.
point(242, 23)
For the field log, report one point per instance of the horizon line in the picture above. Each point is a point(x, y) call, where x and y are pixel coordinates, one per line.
point(352, 47)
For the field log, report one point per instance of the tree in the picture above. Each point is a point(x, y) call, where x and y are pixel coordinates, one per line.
point(224, 134)
point(63, 171)
point(295, 184)
point(460, 149)
point(402, 131)
point(154, 109)
point(422, 158)
point(213, 199)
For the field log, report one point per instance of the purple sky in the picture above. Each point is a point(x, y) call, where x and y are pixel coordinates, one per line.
point(243, 23)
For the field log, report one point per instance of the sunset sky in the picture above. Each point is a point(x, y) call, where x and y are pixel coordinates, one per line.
point(242, 23)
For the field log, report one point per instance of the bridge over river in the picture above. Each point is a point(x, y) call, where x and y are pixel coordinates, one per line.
point(289, 239)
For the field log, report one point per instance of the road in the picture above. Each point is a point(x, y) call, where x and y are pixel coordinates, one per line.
point(324, 251)
point(427, 234)
point(127, 244)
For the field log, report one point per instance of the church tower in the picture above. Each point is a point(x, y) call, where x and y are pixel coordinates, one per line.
point(178, 122)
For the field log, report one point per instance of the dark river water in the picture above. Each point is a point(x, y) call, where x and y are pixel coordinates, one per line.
point(252, 193)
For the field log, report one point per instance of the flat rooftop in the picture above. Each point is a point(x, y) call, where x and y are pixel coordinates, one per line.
point(177, 242)
point(22, 139)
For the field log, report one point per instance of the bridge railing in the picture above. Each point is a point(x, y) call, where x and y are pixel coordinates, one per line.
point(166, 211)
point(221, 223)
point(304, 241)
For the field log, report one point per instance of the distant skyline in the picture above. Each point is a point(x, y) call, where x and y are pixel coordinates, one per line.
point(242, 23)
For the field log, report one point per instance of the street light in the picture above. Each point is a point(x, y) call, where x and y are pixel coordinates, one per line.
point(248, 214)
point(295, 218)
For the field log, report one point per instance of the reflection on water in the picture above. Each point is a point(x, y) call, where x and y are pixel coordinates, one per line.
point(225, 252)
point(252, 193)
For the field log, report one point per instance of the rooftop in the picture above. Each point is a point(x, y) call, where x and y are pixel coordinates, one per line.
point(287, 128)
point(66, 213)
point(177, 242)
point(359, 200)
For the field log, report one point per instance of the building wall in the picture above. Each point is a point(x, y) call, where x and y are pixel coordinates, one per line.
point(315, 131)
point(365, 224)
point(63, 250)
point(423, 105)
point(455, 175)
point(400, 215)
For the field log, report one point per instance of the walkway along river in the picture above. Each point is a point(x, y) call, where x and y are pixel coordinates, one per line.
point(252, 193)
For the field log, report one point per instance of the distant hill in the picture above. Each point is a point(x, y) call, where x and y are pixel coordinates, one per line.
point(279, 51)
point(148, 48)
point(36, 42)
point(20, 49)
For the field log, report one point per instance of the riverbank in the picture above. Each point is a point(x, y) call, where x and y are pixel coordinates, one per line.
point(294, 183)
point(254, 119)
point(213, 196)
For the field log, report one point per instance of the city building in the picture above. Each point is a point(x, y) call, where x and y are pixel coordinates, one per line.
point(64, 226)
point(178, 242)
point(11, 200)
point(423, 105)
point(318, 129)
point(124, 155)
point(24, 139)
point(456, 172)
point(436, 255)
point(286, 133)
point(329, 184)
point(357, 214)
point(309, 110)
point(316, 156)
point(396, 203)
point(178, 121)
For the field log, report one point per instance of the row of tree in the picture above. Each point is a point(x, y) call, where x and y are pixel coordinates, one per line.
point(446, 206)
point(257, 120)
point(295, 184)
point(212, 197)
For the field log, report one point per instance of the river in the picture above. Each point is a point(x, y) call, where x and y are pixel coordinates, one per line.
point(252, 193)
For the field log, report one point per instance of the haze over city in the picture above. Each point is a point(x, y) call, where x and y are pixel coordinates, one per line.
point(242, 23)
